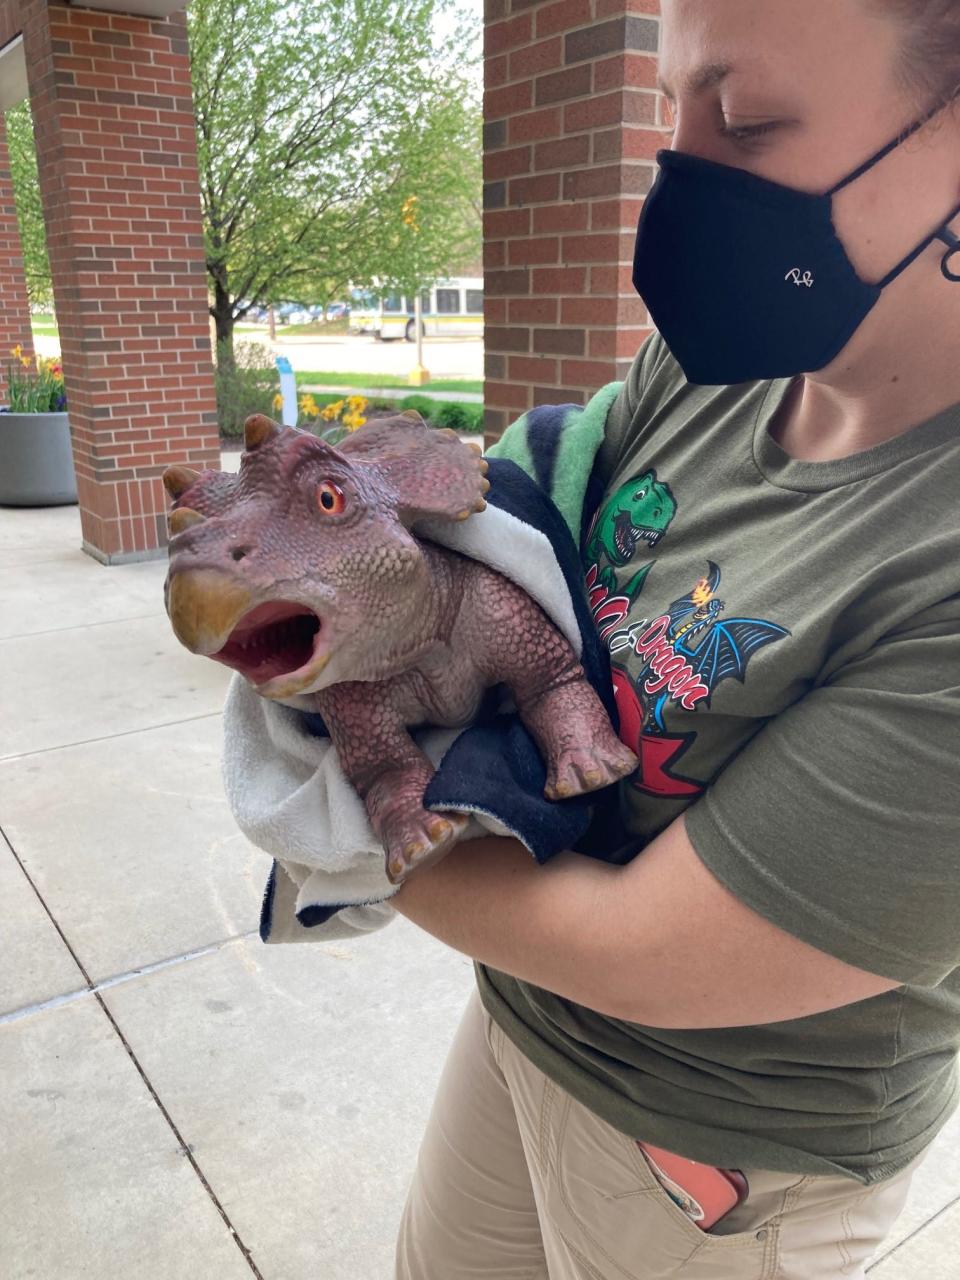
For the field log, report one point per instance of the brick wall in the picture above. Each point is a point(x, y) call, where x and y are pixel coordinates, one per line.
point(571, 129)
point(14, 307)
point(114, 123)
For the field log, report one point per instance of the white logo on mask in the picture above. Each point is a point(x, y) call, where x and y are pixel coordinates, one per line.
point(800, 277)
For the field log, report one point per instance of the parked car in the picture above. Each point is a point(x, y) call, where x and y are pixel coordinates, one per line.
point(293, 313)
point(338, 311)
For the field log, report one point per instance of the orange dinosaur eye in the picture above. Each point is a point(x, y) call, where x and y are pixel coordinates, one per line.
point(330, 499)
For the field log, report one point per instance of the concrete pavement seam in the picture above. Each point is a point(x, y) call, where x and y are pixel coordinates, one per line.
point(106, 737)
point(81, 626)
point(92, 990)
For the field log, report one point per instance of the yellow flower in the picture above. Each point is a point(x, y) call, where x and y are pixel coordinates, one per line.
point(17, 351)
point(278, 401)
point(25, 361)
point(357, 404)
point(309, 407)
point(353, 420)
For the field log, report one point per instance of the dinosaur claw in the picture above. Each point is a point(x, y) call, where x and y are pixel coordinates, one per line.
point(480, 505)
point(484, 465)
point(448, 433)
point(463, 515)
point(475, 448)
point(484, 486)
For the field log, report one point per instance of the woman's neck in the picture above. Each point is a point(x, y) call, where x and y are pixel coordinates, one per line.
point(873, 392)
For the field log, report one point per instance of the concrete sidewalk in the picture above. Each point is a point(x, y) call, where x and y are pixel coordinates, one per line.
point(176, 1099)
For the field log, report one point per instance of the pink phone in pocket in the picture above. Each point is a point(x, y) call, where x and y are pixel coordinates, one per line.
point(705, 1194)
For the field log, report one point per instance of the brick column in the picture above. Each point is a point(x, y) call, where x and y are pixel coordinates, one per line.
point(15, 327)
point(113, 116)
point(571, 129)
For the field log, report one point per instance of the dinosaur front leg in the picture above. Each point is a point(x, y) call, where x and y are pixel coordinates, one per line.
point(522, 647)
point(390, 774)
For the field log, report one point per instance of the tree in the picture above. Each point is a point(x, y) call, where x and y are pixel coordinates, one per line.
point(437, 225)
point(314, 124)
point(26, 194)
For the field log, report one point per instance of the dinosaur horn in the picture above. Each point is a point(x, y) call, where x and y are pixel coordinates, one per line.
point(184, 518)
point(177, 480)
point(259, 429)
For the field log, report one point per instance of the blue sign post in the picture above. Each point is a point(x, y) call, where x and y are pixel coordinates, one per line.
point(288, 390)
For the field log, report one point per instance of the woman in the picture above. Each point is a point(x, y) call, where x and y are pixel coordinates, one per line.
point(773, 986)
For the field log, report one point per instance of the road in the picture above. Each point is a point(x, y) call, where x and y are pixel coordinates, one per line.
point(349, 353)
point(358, 353)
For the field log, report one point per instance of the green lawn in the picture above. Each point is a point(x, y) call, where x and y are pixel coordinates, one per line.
point(379, 381)
point(44, 325)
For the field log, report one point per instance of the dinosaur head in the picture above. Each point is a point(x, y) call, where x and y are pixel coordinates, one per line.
point(302, 570)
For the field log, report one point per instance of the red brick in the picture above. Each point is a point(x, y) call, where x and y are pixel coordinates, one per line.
point(563, 153)
point(531, 369)
point(611, 279)
point(642, 144)
point(504, 164)
point(506, 395)
point(500, 36)
point(508, 339)
point(594, 112)
point(500, 223)
point(521, 253)
point(564, 15)
point(113, 122)
point(537, 190)
point(548, 218)
point(589, 311)
point(607, 145)
point(495, 72)
point(498, 103)
point(586, 373)
point(606, 215)
point(533, 310)
point(614, 8)
point(559, 280)
point(602, 247)
point(545, 55)
point(558, 86)
point(535, 126)
point(558, 395)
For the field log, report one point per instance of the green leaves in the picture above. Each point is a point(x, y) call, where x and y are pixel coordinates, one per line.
point(26, 191)
point(316, 121)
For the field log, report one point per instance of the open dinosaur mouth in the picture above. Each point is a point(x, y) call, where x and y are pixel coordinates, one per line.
point(274, 639)
point(626, 535)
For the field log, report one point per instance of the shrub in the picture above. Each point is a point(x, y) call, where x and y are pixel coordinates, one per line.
point(474, 414)
point(423, 405)
point(452, 414)
point(247, 384)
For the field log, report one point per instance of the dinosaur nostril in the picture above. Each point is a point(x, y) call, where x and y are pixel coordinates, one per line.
point(239, 552)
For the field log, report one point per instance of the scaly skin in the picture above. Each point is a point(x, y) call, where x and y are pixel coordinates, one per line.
point(408, 633)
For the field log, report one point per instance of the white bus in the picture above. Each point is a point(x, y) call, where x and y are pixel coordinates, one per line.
point(449, 309)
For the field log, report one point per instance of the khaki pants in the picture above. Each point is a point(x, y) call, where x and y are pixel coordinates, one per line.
point(518, 1181)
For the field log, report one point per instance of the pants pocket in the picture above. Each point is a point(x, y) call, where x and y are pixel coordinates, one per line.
point(603, 1198)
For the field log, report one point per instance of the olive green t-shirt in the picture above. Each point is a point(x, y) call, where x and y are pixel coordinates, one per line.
point(785, 638)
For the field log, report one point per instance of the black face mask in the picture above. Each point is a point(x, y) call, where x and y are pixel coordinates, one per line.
point(747, 279)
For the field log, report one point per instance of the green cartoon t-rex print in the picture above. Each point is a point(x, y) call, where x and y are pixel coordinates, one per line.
point(640, 511)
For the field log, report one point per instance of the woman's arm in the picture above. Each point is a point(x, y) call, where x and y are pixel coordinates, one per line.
point(658, 942)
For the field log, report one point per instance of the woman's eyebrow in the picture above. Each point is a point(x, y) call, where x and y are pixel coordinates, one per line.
point(699, 81)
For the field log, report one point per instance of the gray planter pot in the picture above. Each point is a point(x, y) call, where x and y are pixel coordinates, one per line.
point(36, 461)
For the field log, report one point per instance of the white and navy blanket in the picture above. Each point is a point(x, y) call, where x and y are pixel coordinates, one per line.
point(284, 783)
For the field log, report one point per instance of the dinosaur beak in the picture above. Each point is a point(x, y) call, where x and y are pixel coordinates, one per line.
point(204, 607)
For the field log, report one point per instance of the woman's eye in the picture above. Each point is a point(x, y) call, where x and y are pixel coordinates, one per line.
point(330, 498)
point(747, 132)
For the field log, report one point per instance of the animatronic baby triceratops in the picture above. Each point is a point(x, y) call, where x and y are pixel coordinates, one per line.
point(302, 573)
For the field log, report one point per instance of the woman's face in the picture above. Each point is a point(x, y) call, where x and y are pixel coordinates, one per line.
point(803, 93)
